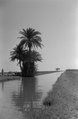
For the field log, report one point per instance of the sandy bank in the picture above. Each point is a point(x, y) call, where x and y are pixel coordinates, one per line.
point(62, 100)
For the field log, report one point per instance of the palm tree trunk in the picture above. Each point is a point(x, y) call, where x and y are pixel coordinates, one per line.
point(20, 66)
point(29, 63)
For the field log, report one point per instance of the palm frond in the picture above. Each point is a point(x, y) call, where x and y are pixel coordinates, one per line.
point(22, 43)
point(33, 57)
point(36, 43)
point(30, 36)
point(36, 56)
point(36, 33)
point(17, 53)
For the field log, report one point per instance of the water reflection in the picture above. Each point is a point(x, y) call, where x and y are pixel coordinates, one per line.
point(27, 98)
point(20, 98)
point(3, 85)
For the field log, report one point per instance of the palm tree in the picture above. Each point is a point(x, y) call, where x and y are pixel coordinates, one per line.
point(30, 38)
point(23, 58)
point(17, 54)
point(24, 53)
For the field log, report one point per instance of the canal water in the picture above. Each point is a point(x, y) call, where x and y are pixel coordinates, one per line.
point(18, 98)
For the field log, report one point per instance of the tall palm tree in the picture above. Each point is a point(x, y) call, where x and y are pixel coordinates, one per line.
point(30, 38)
point(24, 53)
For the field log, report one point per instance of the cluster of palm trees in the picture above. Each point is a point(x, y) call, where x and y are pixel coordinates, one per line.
point(25, 52)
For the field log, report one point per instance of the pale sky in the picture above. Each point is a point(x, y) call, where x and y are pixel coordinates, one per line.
point(57, 20)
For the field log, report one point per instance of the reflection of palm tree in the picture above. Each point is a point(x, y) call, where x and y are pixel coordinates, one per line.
point(27, 95)
point(24, 52)
point(2, 85)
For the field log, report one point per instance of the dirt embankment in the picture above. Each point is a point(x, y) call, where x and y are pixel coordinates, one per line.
point(62, 100)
